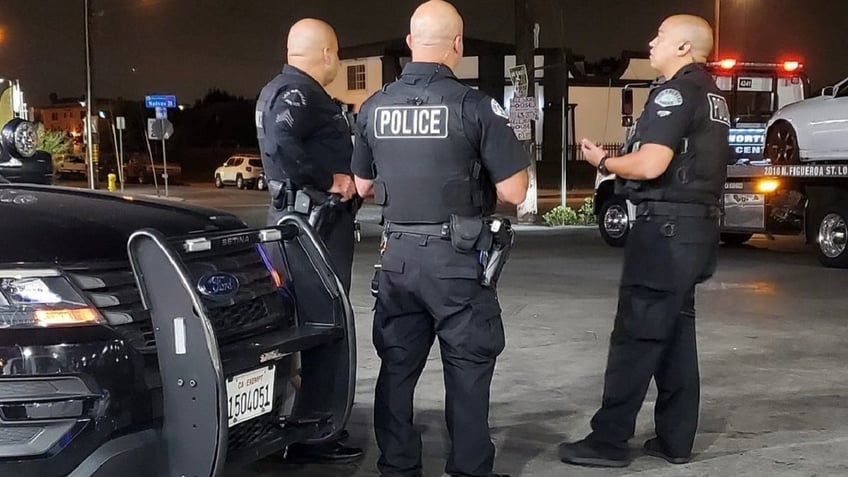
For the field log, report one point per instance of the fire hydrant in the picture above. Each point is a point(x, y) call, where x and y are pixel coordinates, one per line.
point(113, 182)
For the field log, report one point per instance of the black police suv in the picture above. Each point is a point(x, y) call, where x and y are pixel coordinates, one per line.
point(140, 337)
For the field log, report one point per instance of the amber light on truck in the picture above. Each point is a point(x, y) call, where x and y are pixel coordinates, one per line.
point(42, 298)
point(768, 185)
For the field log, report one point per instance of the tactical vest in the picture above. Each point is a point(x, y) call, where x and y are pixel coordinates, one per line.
point(697, 171)
point(427, 167)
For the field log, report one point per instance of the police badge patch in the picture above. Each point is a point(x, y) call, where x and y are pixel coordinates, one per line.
point(668, 98)
point(498, 110)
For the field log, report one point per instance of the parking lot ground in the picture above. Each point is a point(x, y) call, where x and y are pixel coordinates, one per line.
point(772, 328)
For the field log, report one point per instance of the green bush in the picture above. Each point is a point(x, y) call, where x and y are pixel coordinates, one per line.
point(560, 215)
point(586, 213)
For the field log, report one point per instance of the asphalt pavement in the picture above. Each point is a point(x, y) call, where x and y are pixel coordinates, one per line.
point(772, 334)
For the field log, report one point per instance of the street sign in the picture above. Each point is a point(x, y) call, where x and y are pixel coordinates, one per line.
point(161, 112)
point(121, 122)
point(159, 129)
point(160, 101)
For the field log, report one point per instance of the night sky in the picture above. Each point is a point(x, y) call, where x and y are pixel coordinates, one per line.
point(185, 47)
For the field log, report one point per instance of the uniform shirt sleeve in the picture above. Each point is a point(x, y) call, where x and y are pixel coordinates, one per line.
point(501, 152)
point(362, 163)
point(294, 121)
point(669, 114)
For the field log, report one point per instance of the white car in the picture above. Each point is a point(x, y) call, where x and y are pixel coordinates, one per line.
point(242, 170)
point(814, 129)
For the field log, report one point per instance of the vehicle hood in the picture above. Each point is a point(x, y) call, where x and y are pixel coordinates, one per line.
point(799, 110)
point(46, 224)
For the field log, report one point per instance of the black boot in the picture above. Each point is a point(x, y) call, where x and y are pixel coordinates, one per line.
point(594, 454)
point(654, 448)
point(329, 453)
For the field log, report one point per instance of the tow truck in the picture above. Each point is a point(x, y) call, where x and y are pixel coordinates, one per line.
point(772, 186)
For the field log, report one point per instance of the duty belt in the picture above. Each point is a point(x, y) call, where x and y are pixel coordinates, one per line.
point(677, 209)
point(433, 230)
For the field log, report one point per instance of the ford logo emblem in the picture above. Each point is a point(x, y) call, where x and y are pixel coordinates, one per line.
point(218, 285)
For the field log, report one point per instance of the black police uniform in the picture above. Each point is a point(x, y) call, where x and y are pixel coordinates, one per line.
point(671, 248)
point(304, 136)
point(434, 148)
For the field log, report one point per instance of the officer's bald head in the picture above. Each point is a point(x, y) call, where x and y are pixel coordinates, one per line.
point(312, 46)
point(435, 33)
point(680, 40)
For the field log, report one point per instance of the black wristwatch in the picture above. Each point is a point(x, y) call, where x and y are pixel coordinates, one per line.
point(602, 168)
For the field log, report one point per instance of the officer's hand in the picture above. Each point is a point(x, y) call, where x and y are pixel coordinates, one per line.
point(344, 186)
point(591, 152)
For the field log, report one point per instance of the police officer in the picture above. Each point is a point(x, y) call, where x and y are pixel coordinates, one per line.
point(674, 173)
point(434, 153)
point(305, 138)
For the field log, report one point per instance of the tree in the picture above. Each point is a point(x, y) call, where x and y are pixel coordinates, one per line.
point(53, 142)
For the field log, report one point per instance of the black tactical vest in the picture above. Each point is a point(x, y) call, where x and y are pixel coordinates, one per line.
point(427, 168)
point(697, 171)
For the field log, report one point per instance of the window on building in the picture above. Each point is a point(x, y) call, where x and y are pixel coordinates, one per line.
point(55, 116)
point(355, 77)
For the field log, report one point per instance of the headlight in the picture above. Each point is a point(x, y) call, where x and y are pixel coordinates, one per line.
point(20, 138)
point(41, 298)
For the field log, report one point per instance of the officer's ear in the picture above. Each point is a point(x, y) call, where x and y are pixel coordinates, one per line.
point(458, 45)
point(684, 48)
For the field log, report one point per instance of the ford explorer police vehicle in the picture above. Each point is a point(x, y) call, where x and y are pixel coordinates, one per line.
point(147, 338)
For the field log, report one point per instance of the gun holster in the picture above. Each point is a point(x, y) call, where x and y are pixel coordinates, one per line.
point(503, 238)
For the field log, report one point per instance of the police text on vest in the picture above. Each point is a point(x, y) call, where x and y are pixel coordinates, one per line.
point(411, 122)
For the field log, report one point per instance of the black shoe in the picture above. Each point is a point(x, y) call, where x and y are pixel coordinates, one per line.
point(653, 447)
point(594, 454)
point(333, 453)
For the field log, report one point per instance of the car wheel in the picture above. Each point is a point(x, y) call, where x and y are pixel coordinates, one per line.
point(613, 222)
point(832, 239)
point(239, 182)
point(260, 183)
point(733, 239)
point(219, 183)
point(782, 144)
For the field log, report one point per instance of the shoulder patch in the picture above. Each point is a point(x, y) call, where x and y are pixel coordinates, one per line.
point(498, 110)
point(719, 112)
point(668, 98)
point(294, 97)
point(663, 113)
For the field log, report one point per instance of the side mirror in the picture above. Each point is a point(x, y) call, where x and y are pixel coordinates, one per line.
point(626, 107)
point(828, 91)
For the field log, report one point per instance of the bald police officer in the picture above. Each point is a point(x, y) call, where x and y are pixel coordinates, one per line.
point(304, 138)
point(435, 153)
point(674, 173)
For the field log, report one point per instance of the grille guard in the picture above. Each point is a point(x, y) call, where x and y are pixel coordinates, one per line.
point(194, 368)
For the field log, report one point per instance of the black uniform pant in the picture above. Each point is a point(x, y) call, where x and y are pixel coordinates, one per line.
point(427, 290)
point(338, 237)
point(654, 331)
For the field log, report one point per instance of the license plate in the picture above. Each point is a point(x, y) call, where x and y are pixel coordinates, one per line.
point(250, 395)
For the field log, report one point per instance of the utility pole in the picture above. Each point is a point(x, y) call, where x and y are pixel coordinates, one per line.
point(89, 136)
point(524, 55)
